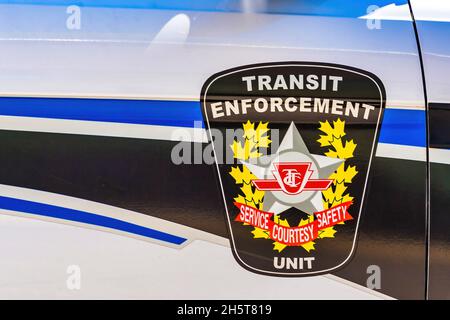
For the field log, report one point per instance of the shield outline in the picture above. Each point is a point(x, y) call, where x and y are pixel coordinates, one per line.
point(360, 72)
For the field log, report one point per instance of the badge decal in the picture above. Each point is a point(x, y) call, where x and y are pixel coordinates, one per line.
point(303, 139)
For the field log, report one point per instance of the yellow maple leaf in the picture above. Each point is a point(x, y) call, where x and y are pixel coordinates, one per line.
point(264, 142)
point(240, 199)
point(252, 203)
point(335, 194)
point(281, 222)
point(339, 190)
point(324, 141)
point(343, 174)
point(247, 175)
point(350, 173)
point(245, 152)
point(249, 130)
point(258, 196)
point(341, 151)
point(260, 233)
point(236, 173)
point(258, 134)
point(306, 221)
point(247, 190)
point(335, 132)
point(328, 137)
point(326, 233)
point(338, 128)
point(309, 246)
point(277, 246)
point(240, 152)
point(328, 194)
point(262, 129)
point(347, 198)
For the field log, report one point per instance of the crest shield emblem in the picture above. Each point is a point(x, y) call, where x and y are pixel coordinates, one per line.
point(303, 138)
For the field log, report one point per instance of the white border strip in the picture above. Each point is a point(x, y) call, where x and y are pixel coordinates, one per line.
point(406, 105)
point(403, 152)
point(439, 155)
point(97, 128)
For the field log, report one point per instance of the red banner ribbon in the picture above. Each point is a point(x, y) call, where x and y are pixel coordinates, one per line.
point(293, 236)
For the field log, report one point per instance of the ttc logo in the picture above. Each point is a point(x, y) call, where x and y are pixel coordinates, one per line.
point(292, 178)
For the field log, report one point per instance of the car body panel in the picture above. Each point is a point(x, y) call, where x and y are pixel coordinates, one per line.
point(91, 116)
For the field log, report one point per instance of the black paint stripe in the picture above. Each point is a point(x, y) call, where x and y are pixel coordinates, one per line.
point(440, 235)
point(439, 258)
point(134, 174)
point(392, 234)
point(439, 117)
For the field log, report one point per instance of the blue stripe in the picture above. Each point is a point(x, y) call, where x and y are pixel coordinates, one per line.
point(85, 217)
point(404, 127)
point(399, 126)
point(151, 112)
point(335, 8)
